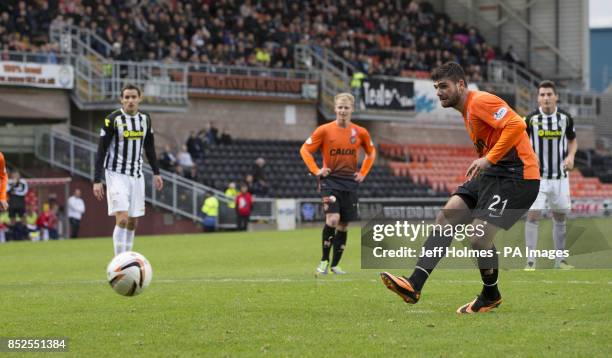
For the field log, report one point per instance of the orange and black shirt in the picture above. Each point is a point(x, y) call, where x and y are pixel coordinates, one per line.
point(340, 149)
point(3, 178)
point(499, 134)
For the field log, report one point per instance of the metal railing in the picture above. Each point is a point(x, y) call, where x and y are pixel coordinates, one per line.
point(99, 79)
point(492, 32)
point(36, 57)
point(233, 70)
point(335, 72)
point(179, 195)
point(69, 37)
point(581, 104)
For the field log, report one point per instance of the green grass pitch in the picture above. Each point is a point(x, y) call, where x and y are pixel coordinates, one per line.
point(254, 294)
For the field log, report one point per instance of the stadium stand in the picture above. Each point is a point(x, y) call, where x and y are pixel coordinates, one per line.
point(286, 173)
point(385, 37)
point(597, 171)
point(442, 168)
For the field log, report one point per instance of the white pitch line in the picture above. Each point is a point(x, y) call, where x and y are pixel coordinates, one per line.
point(289, 280)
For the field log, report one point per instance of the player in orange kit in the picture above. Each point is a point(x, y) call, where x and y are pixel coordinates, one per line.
point(3, 197)
point(502, 184)
point(3, 182)
point(339, 142)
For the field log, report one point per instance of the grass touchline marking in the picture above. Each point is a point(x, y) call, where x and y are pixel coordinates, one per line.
point(286, 280)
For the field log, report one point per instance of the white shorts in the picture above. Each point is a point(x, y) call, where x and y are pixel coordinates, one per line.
point(554, 194)
point(125, 193)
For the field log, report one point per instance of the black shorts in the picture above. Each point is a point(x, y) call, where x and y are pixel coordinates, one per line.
point(16, 211)
point(502, 201)
point(346, 204)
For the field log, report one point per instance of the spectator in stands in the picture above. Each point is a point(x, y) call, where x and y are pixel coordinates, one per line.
point(31, 218)
point(76, 209)
point(192, 174)
point(211, 135)
point(383, 37)
point(195, 146)
point(47, 223)
point(356, 84)
point(210, 210)
point(57, 222)
point(262, 56)
point(231, 192)
point(17, 189)
point(178, 170)
point(260, 186)
point(225, 138)
point(513, 57)
point(243, 204)
point(248, 180)
point(184, 159)
point(168, 159)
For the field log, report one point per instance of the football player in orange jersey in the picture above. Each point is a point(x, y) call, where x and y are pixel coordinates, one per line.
point(501, 186)
point(3, 181)
point(339, 142)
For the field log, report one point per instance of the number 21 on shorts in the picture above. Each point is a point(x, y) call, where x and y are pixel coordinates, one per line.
point(497, 207)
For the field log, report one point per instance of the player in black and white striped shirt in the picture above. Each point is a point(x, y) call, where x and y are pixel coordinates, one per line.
point(125, 134)
point(553, 139)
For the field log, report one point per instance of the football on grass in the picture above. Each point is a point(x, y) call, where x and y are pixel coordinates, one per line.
point(129, 273)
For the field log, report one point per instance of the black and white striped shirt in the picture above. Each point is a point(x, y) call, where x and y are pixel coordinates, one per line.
point(549, 134)
point(123, 137)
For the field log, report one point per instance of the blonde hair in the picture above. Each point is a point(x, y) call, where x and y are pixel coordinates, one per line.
point(346, 95)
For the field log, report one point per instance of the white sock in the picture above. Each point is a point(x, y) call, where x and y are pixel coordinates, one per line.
point(129, 239)
point(2, 236)
point(45, 235)
point(559, 229)
point(118, 240)
point(531, 238)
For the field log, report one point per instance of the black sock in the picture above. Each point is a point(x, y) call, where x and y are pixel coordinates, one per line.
point(328, 235)
point(425, 265)
point(339, 244)
point(489, 271)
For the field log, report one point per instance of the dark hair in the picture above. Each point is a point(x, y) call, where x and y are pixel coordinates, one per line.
point(548, 84)
point(130, 87)
point(450, 70)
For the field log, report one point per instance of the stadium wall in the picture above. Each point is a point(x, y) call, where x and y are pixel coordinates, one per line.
point(562, 23)
point(247, 119)
point(33, 105)
point(27, 110)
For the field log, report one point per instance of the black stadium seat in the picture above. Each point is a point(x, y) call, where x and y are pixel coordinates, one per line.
point(287, 175)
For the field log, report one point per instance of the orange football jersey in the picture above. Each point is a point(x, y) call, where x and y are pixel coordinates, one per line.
point(499, 134)
point(340, 149)
point(3, 178)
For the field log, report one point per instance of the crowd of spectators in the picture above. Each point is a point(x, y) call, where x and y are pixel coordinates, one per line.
point(184, 162)
point(377, 37)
